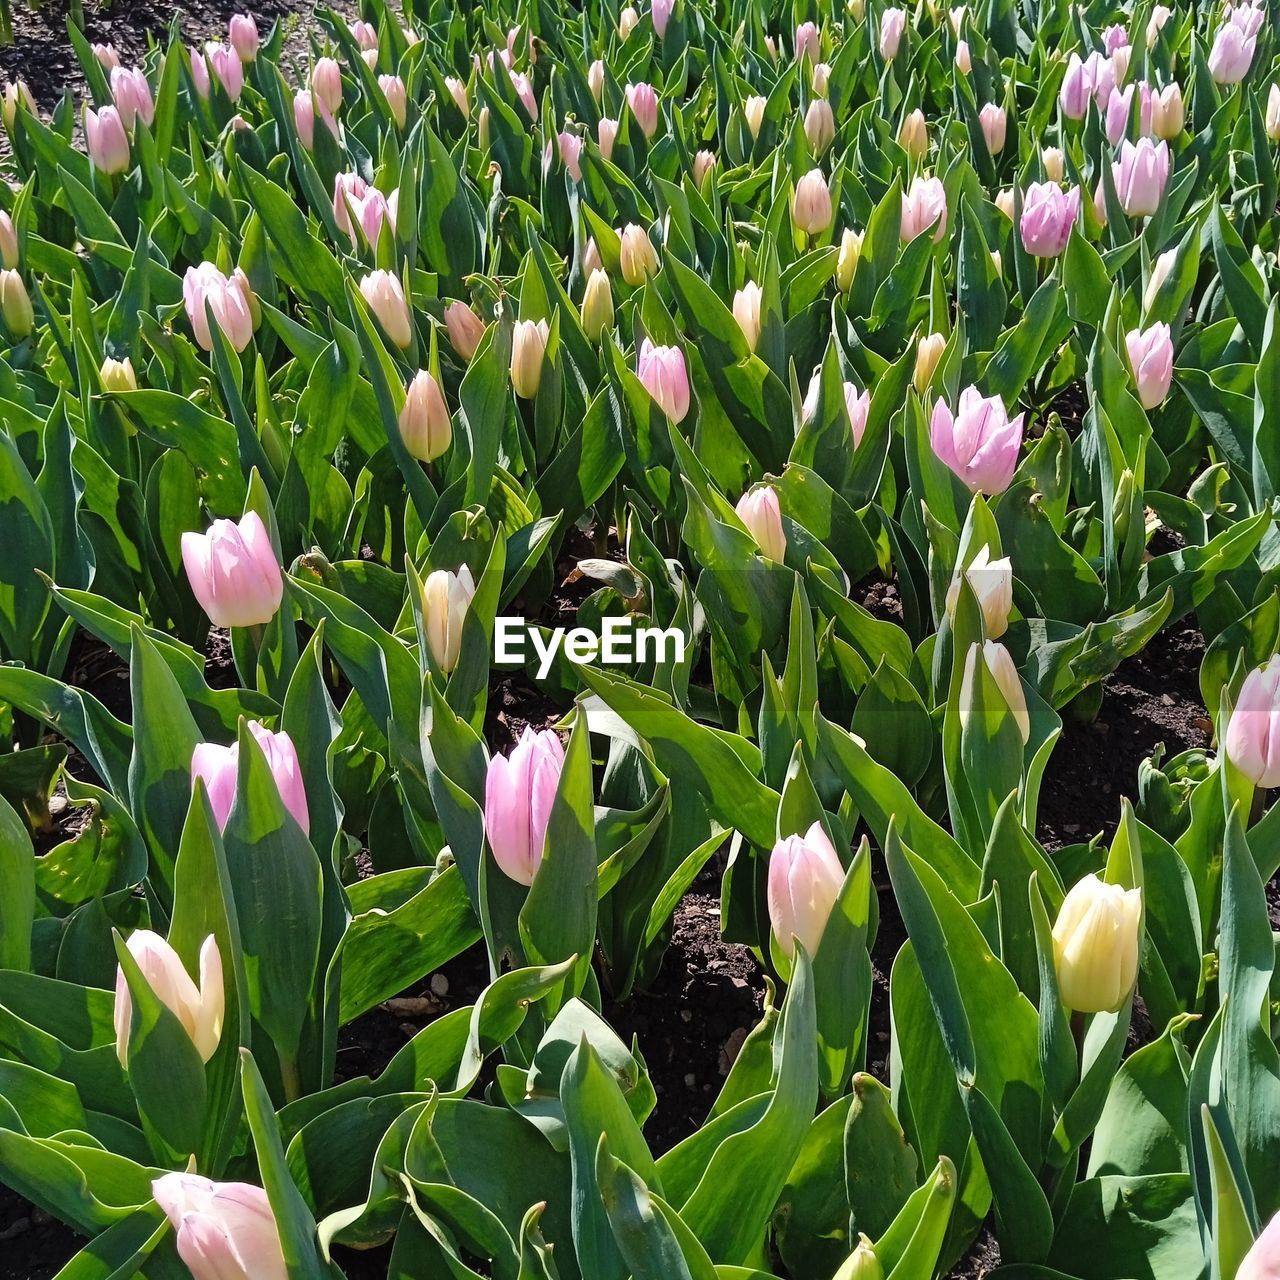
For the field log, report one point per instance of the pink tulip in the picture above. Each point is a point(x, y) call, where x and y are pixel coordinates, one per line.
point(1094, 78)
point(233, 572)
point(364, 35)
point(1048, 214)
point(200, 1009)
point(805, 878)
point(1115, 37)
point(857, 405)
point(225, 1230)
point(385, 295)
point(219, 767)
point(106, 140)
point(229, 300)
point(811, 210)
point(760, 512)
point(524, 91)
point(107, 56)
point(425, 425)
point(893, 23)
point(660, 11)
point(397, 98)
point(808, 42)
point(1262, 1262)
point(1151, 358)
point(519, 791)
point(595, 79)
point(464, 327)
point(326, 84)
point(1232, 54)
point(304, 117)
point(995, 124)
point(242, 32)
point(979, 442)
point(964, 59)
point(1118, 108)
point(1140, 176)
point(353, 196)
point(643, 101)
point(9, 252)
point(606, 135)
point(819, 126)
point(132, 96)
point(570, 147)
point(665, 378)
point(227, 66)
point(924, 204)
point(703, 163)
point(199, 72)
point(1252, 742)
point(458, 92)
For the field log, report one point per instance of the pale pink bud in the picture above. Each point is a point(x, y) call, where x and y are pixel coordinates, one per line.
point(218, 767)
point(665, 378)
point(913, 134)
point(446, 598)
point(1232, 54)
point(760, 512)
point(326, 84)
point(132, 96)
point(1115, 37)
point(591, 260)
point(637, 256)
point(365, 35)
point(1151, 359)
point(1159, 16)
point(107, 56)
point(821, 78)
point(370, 58)
point(233, 572)
point(425, 426)
point(519, 792)
point(753, 112)
point(1140, 176)
point(15, 305)
point(819, 126)
point(857, 405)
point(1273, 113)
point(524, 91)
point(242, 32)
point(106, 140)
point(999, 664)
point(1262, 1262)
point(1252, 740)
point(1048, 214)
point(995, 124)
point(595, 79)
point(528, 350)
point(8, 242)
point(703, 163)
point(893, 23)
point(606, 134)
point(458, 92)
point(570, 146)
point(979, 442)
point(808, 42)
point(805, 878)
point(964, 59)
point(225, 1230)
point(229, 300)
point(660, 11)
point(464, 327)
point(226, 65)
point(992, 585)
point(199, 72)
point(628, 21)
point(15, 93)
point(643, 101)
point(746, 311)
point(199, 1009)
point(1054, 162)
point(811, 210)
point(304, 117)
point(385, 295)
point(1159, 274)
point(924, 205)
point(397, 98)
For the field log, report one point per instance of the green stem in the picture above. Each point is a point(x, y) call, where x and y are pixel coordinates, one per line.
point(292, 1079)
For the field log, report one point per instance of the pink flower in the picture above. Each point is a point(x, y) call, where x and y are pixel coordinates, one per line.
point(606, 134)
point(924, 204)
point(353, 196)
point(979, 442)
point(227, 66)
point(233, 572)
point(218, 767)
point(132, 96)
point(759, 511)
point(857, 405)
point(458, 92)
point(805, 878)
point(225, 1230)
point(660, 11)
point(643, 101)
point(811, 209)
point(199, 72)
point(397, 98)
point(200, 1009)
point(893, 22)
point(1262, 1262)
point(665, 378)
point(464, 327)
point(1140, 176)
point(808, 41)
point(385, 295)
point(242, 32)
point(1094, 78)
point(1048, 214)
point(519, 792)
point(365, 36)
point(570, 146)
point(1115, 37)
point(326, 85)
point(106, 140)
point(995, 125)
point(1232, 52)
point(524, 91)
point(229, 300)
point(107, 56)
point(1151, 358)
point(1252, 744)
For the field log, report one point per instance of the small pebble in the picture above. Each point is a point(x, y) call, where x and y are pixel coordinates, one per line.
point(439, 984)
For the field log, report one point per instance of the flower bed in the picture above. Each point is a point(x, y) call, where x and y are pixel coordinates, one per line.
point(642, 643)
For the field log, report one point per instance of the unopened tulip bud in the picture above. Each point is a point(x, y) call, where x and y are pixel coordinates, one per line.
point(1168, 115)
point(628, 20)
point(913, 135)
point(1095, 945)
point(597, 305)
point(304, 118)
point(223, 1230)
point(242, 32)
point(425, 426)
point(805, 878)
point(857, 404)
point(1262, 1262)
point(464, 327)
point(771, 48)
point(446, 599)
point(994, 122)
point(326, 84)
point(8, 242)
point(808, 42)
point(524, 91)
point(218, 767)
point(397, 98)
point(856, 9)
point(528, 348)
point(753, 113)
point(924, 205)
point(606, 135)
point(1048, 214)
point(131, 95)
point(979, 442)
point(893, 23)
point(15, 93)
point(1273, 113)
point(233, 572)
point(1151, 359)
point(519, 792)
point(996, 261)
point(821, 79)
point(107, 56)
point(964, 59)
point(106, 140)
point(15, 305)
point(637, 255)
point(225, 63)
point(1119, 61)
point(1232, 54)
point(1001, 669)
point(928, 352)
point(1140, 176)
point(1159, 274)
point(847, 263)
point(1054, 163)
point(703, 163)
point(1159, 16)
point(760, 512)
point(591, 260)
point(1005, 202)
point(385, 295)
point(458, 92)
point(862, 1263)
point(819, 126)
point(665, 376)
point(595, 80)
point(118, 375)
point(199, 1010)
point(746, 311)
point(811, 210)
point(992, 584)
point(642, 99)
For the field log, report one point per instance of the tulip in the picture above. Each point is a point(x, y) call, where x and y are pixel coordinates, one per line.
point(106, 140)
point(15, 305)
point(753, 112)
point(1005, 202)
point(1273, 113)
point(746, 311)
point(996, 261)
point(1262, 1262)
point(528, 347)
point(892, 24)
point(1095, 945)
point(979, 442)
point(856, 9)
point(808, 42)
point(660, 12)
point(446, 598)
point(353, 196)
point(606, 135)
point(1001, 669)
point(304, 117)
point(365, 35)
point(218, 767)
point(107, 56)
point(628, 21)
point(591, 258)
point(1076, 90)
point(928, 352)
point(1159, 274)
point(924, 205)
point(759, 511)
point(519, 791)
point(857, 404)
point(1119, 106)
point(482, 129)
point(913, 134)
point(595, 79)
point(643, 101)
point(771, 48)
point(132, 97)
point(1168, 115)
point(425, 427)
point(233, 572)
point(326, 84)
point(524, 91)
point(847, 262)
point(597, 305)
point(861, 1264)
point(1140, 176)
point(1151, 358)
point(964, 59)
point(992, 584)
point(569, 146)
point(464, 327)
point(225, 1230)
point(385, 295)
point(118, 375)
point(819, 126)
point(1159, 16)
point(957, 17)
point(199, 72)
point(8, 242)
point(199, 1009)
point(1048, 214)
point(15, 93)
point(805, 878)
point(227, 298)
point(811, 204)
point(458, 92)
point(1119, 63)
point(665, 376)
point(226, 65)
point(703, 163)
point(1232, 54)
point(995, 123)
point(638, 258)
point(397, 98)
point(242, 32)
point(1115, 37)
point(1054, 163)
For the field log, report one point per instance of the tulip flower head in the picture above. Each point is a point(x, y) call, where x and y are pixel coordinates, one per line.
point(218, 767)
point(106, 140)
point(9, 254)
point(1252, 740)
point(643, 102)
point(199, 1009)
point(913, 134)
point(1273, 113)
point(1262, 1262)
point(992, 584)
point(637, 256)
point(1234, 46)
point(999, 664)
point(597, 305)
point(326, 84)
point(805, 878)
point(758, 509)
point(595, 79)
point(15, 305)
point(964, 59)
point(17, 92)
point(1048, 214)
point(821, 79)
point(464, 327)
point(569, 146)
point(1151, 359)
point(753, 113)
point(446, 599)
point(425, 426)
point(928, 352)
point(206, 289)
point(242, 32)
point(606, 135)
point(847, 262)
point(528, 349)
point(665, 376)
point(893, 22)
point(811, 210)
point(808, 42)
point(819, 126)
point(233, 572)
point(118, 375)
point(224, 1230)
point(746, 311)
point(397, 97)
point(365, 35)
point(519, 792)
point(924, 205)
point(107, 57)
point(225, 64)
point(703, 163)
point(384, 293)
point(132, 97)
point(1168, 114)
point(660, 12)
point(1140, 176)
point(857, 404)
point(861, 1264)
point(979, 442)
point(628, 21)
point(458, 92)
point(1095, 945)
point(995, 126)
point(524, 91)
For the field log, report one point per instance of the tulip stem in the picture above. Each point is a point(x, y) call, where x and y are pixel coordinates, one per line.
point(1078, 1027)
point(292, 1079)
